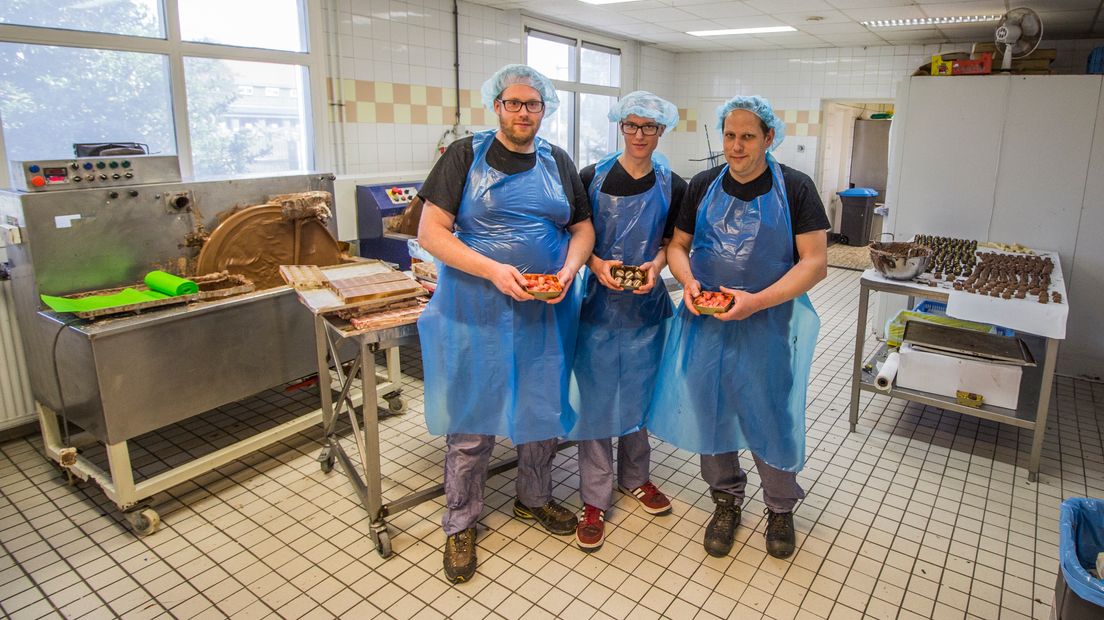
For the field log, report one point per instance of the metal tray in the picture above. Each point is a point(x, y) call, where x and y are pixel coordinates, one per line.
point(964, 342)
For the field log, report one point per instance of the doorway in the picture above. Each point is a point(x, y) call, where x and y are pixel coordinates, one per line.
point(838, 149)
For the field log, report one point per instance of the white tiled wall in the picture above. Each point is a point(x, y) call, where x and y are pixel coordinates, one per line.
point(411, 42)
point(801, 79)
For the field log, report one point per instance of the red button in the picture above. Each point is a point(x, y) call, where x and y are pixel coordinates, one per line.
point(38, 181)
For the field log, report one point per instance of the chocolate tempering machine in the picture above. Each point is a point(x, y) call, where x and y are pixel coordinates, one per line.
point(86, 224)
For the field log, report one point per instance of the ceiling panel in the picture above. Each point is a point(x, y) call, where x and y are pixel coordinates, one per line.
point(789, 6)
point(664, 22)
point(800, 20)
point(981, 7)
point(725, 9)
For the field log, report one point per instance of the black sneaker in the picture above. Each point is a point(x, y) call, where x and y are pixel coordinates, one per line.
point(554, 517)
point(780, 534)
point(721, 531)
point(460, 556)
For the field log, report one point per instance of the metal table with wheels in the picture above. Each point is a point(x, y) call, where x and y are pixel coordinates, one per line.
point(1035, 386)
point(369, 486)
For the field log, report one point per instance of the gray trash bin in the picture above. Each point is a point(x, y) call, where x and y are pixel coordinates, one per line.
point(858, 214)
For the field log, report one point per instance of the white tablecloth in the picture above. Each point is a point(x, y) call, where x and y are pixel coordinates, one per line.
point(1022, 315)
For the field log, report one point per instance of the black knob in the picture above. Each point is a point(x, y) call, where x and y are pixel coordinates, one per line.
point(133, 193)
point(77, 179)
point(115, 176)
point(129, 175)
point(74, 165)
point(113, 195)
point(103, 177)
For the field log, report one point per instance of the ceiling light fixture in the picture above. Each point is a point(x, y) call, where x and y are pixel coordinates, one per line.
point(930, 21)
point(721, 33)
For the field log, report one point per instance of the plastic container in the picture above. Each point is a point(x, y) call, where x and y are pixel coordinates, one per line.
point(713, 309)
point(1077, 594)
point(858, 214)
point(543, 285)
point(629, 277)
point(935, 312)
point(1095, 63)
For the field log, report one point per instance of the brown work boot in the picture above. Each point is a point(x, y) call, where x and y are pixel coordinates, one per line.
point(460, 556)
point(554, 517)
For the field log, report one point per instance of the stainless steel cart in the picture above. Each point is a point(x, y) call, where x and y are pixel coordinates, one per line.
point(1035, 387)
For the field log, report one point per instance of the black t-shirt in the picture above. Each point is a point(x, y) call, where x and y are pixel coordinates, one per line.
point(620, 183)
point(806, 209)
point(445, 184)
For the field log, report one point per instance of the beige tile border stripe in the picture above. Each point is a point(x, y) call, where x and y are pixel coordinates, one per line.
point(414, 104)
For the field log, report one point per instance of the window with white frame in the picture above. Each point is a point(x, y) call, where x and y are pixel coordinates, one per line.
point(587, 77)
point(118, 72)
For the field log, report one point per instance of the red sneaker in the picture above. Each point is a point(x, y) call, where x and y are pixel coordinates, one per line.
point(652, 500)
point(591, 531)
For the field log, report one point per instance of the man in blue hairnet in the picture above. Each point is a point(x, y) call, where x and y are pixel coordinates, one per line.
point(496, 360)
point(754, 230)
point(621, 329)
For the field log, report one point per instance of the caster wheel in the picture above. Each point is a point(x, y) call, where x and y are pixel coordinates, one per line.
point(144, 521)
point(327, 464)
point(383, 543)
point(395, 405)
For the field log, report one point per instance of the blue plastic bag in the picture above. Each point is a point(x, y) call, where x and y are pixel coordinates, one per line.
point(1081, 538)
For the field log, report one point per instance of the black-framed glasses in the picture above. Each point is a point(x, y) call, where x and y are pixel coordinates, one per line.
point(630, 129)
point(514, 105)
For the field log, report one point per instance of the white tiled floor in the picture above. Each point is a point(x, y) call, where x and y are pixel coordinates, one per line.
point(920, 514)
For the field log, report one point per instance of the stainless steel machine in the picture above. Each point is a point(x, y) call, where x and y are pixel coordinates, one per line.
point(95, 223)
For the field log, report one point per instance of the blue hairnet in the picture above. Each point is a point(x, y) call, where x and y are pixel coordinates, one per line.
point(645, 105)
point(520, 74)
point(759, 107)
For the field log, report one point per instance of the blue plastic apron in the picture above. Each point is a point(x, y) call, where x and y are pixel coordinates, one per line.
point(493, 365)
point(620, 333)
point(729, 385)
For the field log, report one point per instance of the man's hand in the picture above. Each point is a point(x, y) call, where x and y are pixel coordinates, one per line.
point(601, 269)
point(744, 304)
point(691, 290)
point(652, 271)
point(509, 281)
point(565, 275)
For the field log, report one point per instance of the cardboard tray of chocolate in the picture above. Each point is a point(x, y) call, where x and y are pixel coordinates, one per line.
point(713, 302)
point(543, 285)
point(629, 277)
point(211, 286)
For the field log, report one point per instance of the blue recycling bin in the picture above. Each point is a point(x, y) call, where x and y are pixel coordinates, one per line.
point(858, 214)
point(1077, 594)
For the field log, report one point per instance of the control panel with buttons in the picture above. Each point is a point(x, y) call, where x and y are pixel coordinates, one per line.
point(401, 195)
point(78, 172)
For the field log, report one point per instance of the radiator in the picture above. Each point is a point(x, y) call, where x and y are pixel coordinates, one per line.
point(16, 403)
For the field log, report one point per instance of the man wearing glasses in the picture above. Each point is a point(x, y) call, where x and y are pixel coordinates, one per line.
point(496, 361)
point(621, 331)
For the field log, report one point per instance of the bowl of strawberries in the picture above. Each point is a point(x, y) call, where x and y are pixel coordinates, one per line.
point(713, 302)
point(543, 285)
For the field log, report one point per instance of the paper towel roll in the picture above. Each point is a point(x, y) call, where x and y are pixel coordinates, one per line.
point(884, 380)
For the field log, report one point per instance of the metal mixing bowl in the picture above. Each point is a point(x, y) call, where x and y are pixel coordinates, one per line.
point(900, 260)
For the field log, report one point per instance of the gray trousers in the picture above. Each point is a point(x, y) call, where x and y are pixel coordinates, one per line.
point(722, 472)
point(634, 456)
point(467, 458)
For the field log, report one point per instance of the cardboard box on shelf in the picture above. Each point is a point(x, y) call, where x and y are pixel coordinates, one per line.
point(946, 375)
point(1036, 63)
